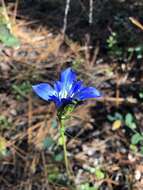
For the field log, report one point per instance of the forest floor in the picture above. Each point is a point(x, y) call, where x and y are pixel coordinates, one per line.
point(103, 150)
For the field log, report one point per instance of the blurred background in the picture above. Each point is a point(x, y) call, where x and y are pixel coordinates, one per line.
point(102, 40)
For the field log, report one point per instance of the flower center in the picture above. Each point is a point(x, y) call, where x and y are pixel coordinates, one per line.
point(63, 94)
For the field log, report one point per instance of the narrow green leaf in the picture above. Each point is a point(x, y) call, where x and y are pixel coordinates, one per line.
point(7, 38)
point(59, 157)
point(128, 119)
point(48, 142)
point(99, 174)
point(136, 138)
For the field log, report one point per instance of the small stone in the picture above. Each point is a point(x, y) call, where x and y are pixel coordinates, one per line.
point(118, 177)
point(91, 160)
point(85, 166)
point(137, 175)
point(131, 158)
point(110, 162)
point(118, 143)
point(13, 112)
point(85, 148)
point(99, 61)
point(123, 150)
point(123, 130)
point(90, 152)
point(96, 162)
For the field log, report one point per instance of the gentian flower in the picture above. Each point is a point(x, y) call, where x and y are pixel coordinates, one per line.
point(66, 91)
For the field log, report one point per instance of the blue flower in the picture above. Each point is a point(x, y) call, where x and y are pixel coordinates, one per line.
point(66, 91)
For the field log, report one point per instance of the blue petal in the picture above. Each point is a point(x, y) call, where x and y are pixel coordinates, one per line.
point(76, 87)
point(56, 100)
point(66, 101)
point(86, 93)
point(67, 78)
point(60, 90)
point(58, 86)
point(44, 90)
point(60, 102)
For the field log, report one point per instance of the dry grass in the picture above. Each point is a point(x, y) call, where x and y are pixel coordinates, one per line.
point(40, 57)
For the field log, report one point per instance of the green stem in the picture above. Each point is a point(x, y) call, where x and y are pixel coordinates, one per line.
point(62, 133)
